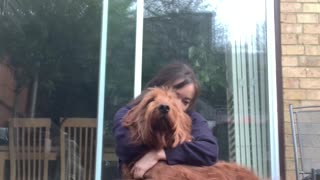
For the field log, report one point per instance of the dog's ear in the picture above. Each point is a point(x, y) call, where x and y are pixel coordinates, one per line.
point(134, 120)
point(182, 127)
point(136, 113)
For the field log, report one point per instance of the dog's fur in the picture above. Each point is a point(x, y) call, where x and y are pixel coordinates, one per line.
point(158, 122)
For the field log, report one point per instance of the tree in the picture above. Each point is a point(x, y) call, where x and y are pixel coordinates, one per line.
point(186, 30)
point(57, 41)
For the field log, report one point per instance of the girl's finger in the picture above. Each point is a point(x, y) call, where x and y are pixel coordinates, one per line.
point(138, 174)
point(132, 170)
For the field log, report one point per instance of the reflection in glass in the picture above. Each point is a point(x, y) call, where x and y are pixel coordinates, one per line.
point(229, 57)
point(188, 31)
point(49, 61)
point(246, 60)
point(119, 75)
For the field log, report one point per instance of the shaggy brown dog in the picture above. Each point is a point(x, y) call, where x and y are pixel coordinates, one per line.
point(158, 122)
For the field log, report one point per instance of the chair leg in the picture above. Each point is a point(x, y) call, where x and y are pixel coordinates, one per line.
point(313, 174)
point(2, 166)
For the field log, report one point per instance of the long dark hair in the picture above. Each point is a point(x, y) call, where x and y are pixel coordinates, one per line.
point(170, 74)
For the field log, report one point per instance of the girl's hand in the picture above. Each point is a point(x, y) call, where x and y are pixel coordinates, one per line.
point(147, 162)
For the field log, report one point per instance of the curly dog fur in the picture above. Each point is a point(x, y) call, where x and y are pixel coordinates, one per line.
point(158, 122)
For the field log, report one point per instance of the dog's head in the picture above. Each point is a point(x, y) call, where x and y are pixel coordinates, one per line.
point(157, 121)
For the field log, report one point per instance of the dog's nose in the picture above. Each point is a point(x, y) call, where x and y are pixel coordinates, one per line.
point(164, 108)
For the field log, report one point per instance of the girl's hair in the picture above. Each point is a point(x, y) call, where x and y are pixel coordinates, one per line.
point(168, 75)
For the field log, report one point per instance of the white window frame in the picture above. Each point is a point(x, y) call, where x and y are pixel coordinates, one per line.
point(101, 90)
point(272, 85)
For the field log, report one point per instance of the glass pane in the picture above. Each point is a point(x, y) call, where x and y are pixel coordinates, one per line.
point(230, 58)
point(248, 86)
point(120, 74)
point(49, 62)
point(188, 31)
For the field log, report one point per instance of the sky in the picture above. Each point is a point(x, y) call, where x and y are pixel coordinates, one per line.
point(241, 17)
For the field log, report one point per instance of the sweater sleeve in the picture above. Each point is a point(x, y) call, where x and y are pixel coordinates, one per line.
point(201, 151)
point(126, 151)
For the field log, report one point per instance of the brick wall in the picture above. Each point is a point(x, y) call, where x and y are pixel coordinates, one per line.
point(300, 38)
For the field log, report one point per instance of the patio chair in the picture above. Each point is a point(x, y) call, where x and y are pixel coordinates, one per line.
point(77, 148)
point(305, 125)
point(29, 148)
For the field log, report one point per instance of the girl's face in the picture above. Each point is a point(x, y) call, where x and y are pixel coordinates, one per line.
point(185, 94)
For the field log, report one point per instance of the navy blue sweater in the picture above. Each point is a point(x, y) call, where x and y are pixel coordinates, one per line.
point(201, 151)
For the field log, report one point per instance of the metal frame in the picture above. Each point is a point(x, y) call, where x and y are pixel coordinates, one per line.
point(293, 120)
point(138, 50)
point(101, 91)
point(294, 141)
point(272, 91)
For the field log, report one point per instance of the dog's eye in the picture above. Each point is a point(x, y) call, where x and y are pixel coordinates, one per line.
point(150, 100)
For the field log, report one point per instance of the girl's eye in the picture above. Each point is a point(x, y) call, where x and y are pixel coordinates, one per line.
point(185, 102)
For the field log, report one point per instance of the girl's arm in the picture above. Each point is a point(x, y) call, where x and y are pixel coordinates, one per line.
point(201, 151)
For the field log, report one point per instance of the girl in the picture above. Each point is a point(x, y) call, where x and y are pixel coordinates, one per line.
point(201, 151)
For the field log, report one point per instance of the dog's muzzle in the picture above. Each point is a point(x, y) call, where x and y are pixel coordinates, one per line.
point(164, 109)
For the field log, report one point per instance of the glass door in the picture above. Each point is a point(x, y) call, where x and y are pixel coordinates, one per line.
point(49, 77)
point(228, 43)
